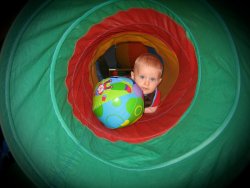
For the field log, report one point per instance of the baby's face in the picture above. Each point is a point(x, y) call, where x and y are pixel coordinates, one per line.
point(147, 78)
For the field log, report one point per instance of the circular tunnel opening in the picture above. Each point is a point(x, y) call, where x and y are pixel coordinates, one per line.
point(158, 33)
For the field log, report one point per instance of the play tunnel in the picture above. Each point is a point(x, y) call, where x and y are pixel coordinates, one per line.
point(51, 61)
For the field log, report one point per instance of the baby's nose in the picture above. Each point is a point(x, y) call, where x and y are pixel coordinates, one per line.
point(146, 82)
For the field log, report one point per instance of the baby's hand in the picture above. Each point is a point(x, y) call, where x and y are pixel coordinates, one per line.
point(150, 109)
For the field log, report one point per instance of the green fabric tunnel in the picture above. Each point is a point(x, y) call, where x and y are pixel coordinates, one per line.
point(198, 139)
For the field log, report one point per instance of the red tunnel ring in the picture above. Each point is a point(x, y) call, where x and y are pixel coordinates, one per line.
point(172, 107)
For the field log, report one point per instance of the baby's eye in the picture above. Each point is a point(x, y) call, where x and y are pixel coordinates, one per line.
point(142, 77)
point(153, 79)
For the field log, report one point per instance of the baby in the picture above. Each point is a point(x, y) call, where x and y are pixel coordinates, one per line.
point(147, 74)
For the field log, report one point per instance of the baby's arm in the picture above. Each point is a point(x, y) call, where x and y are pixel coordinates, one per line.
point(150, 109)
point(154, 107)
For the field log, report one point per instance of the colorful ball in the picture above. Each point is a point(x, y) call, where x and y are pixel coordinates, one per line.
point(118, 102)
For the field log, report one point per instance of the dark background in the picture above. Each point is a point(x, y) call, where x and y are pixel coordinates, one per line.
point(10, 173)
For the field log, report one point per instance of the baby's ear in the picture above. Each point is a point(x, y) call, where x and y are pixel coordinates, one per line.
point(132, 75)
point(160, 80)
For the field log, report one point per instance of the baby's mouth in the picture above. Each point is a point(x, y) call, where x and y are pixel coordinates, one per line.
point(144, 89)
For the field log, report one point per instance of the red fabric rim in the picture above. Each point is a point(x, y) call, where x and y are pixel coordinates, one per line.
point(151, 22)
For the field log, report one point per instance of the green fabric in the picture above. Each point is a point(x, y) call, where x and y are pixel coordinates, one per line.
point(208, 146)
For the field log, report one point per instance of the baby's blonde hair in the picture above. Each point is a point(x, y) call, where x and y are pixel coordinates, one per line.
point(148, 59)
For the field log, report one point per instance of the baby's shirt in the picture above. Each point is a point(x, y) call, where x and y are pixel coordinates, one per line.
point(152, 99)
